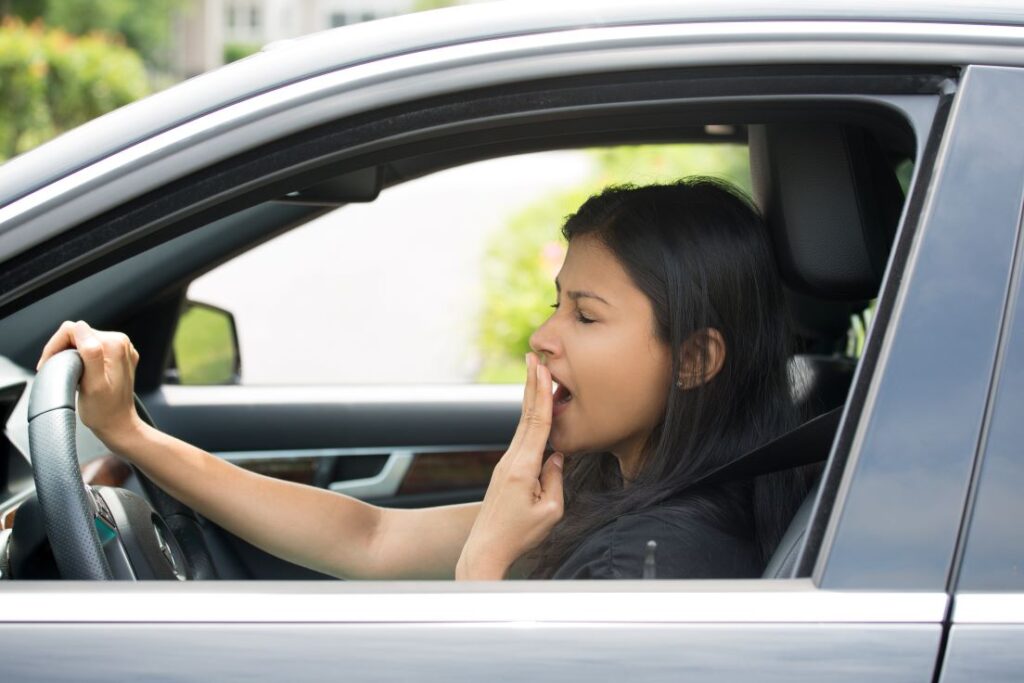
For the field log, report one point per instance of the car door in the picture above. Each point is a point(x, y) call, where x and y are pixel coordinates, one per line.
point(872, 593)
point(987, 616)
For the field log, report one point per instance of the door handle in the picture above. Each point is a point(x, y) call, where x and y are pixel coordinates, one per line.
point(383, 484)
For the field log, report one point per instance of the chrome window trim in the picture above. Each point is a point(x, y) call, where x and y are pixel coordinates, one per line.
point(988, 608)
point(298, 106)
point(527, 602)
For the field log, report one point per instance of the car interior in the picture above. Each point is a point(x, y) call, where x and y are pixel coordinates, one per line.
point(825, 173)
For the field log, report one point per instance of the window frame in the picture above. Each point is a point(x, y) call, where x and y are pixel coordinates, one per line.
point(155, 217)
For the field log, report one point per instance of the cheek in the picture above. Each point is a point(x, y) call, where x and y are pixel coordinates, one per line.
point(623, 393)
point(632, 399)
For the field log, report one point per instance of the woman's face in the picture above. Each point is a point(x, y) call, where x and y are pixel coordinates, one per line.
point(600, 346)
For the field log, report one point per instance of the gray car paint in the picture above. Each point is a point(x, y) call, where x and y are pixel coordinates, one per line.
point(296, 60)
point(466, 652)
point(273, 114)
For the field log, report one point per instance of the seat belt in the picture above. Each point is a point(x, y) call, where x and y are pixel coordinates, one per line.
point(807, 444)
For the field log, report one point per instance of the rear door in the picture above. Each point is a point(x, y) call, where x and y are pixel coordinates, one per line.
point(986, 635)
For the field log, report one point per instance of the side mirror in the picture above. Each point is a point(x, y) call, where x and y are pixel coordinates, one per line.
point(205, 347)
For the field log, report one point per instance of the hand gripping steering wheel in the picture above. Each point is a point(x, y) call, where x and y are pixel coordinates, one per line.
point(103, 533)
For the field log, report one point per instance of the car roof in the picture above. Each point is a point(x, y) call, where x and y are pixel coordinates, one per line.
point(289, 61)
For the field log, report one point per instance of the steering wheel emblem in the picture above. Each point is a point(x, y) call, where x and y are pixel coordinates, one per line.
point(165, 548)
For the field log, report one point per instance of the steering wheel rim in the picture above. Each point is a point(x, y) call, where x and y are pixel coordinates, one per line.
point(69, 509)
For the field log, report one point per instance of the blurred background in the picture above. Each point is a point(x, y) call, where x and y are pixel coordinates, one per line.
point(440, 280)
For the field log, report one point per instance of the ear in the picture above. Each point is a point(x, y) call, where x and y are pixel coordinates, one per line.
point(702, 357)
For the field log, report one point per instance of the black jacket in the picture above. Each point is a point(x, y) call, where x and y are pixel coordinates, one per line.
point(705, 535)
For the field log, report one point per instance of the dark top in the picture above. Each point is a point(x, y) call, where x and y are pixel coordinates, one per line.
point(699, 536)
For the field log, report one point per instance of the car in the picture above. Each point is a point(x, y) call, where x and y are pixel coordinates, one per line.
point(903, 563)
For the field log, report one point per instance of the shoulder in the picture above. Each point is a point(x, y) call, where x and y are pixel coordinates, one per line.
point(691, 544)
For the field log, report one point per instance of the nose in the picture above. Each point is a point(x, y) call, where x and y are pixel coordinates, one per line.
point(545, 339)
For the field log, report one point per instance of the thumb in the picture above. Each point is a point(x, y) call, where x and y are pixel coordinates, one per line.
point(551, 479)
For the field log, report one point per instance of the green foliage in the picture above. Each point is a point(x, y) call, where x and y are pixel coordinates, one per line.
point(860, 325)
point(235, 51)
point(424, 5)
point(51, 82)
point(524, 257)
point(204, 346)
point(145, 26)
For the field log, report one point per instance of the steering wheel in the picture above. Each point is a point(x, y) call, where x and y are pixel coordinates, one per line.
point(102, 532)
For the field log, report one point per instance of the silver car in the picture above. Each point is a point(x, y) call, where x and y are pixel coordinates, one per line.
point(905, 562)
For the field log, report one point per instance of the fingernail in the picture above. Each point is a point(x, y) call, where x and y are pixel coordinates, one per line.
point(557, 458)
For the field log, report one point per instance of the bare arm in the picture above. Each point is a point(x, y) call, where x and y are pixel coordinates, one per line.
point(318, 529)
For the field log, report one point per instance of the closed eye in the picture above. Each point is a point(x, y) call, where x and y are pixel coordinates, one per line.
point(579, 316)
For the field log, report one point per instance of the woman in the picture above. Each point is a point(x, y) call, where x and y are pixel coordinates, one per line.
point(668, 350)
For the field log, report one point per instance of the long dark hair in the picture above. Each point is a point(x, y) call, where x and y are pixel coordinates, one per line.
point(699, 251)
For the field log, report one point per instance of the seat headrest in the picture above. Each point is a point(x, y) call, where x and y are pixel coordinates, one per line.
point(832, 202)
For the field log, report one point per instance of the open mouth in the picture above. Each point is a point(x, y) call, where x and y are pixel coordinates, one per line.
point(560, 398)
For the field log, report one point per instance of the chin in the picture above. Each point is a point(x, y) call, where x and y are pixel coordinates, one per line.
point(567, 446)
point(561, 444)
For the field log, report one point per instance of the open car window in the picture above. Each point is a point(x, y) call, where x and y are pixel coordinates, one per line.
point(439, 280)
point(428, 446)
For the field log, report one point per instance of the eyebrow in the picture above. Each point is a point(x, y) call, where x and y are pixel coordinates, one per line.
point(580, 294)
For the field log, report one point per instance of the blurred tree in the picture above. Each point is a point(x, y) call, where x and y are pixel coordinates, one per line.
point(424, 5)
point(523, 259)
point(235, 51)
point(51, 81)
point(146, 26)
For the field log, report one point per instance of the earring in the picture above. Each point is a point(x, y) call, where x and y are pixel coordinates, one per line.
point(679, 383)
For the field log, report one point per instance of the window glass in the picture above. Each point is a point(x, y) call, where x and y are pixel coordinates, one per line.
point(439, 280)
point(994, 555)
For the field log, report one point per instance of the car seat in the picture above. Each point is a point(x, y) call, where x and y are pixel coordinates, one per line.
point(831, 200)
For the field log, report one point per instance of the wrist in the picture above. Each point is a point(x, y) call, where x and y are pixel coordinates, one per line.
point(121, 437)
point(470, 568)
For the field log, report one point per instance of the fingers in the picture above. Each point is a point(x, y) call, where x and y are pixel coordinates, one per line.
point(530, 392)
point(90, 348)
point(531, 435)
point(538, 421)
point(94, 346)
point(551, 483)
point(62, 339)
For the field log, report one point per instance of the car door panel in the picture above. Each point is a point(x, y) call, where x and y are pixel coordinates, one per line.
point(633, 630)
point(390, 446)
point(986, 641)
point(471, 652)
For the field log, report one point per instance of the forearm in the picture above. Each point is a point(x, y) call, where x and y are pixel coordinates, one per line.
point(319, 529)
point(312, 527)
